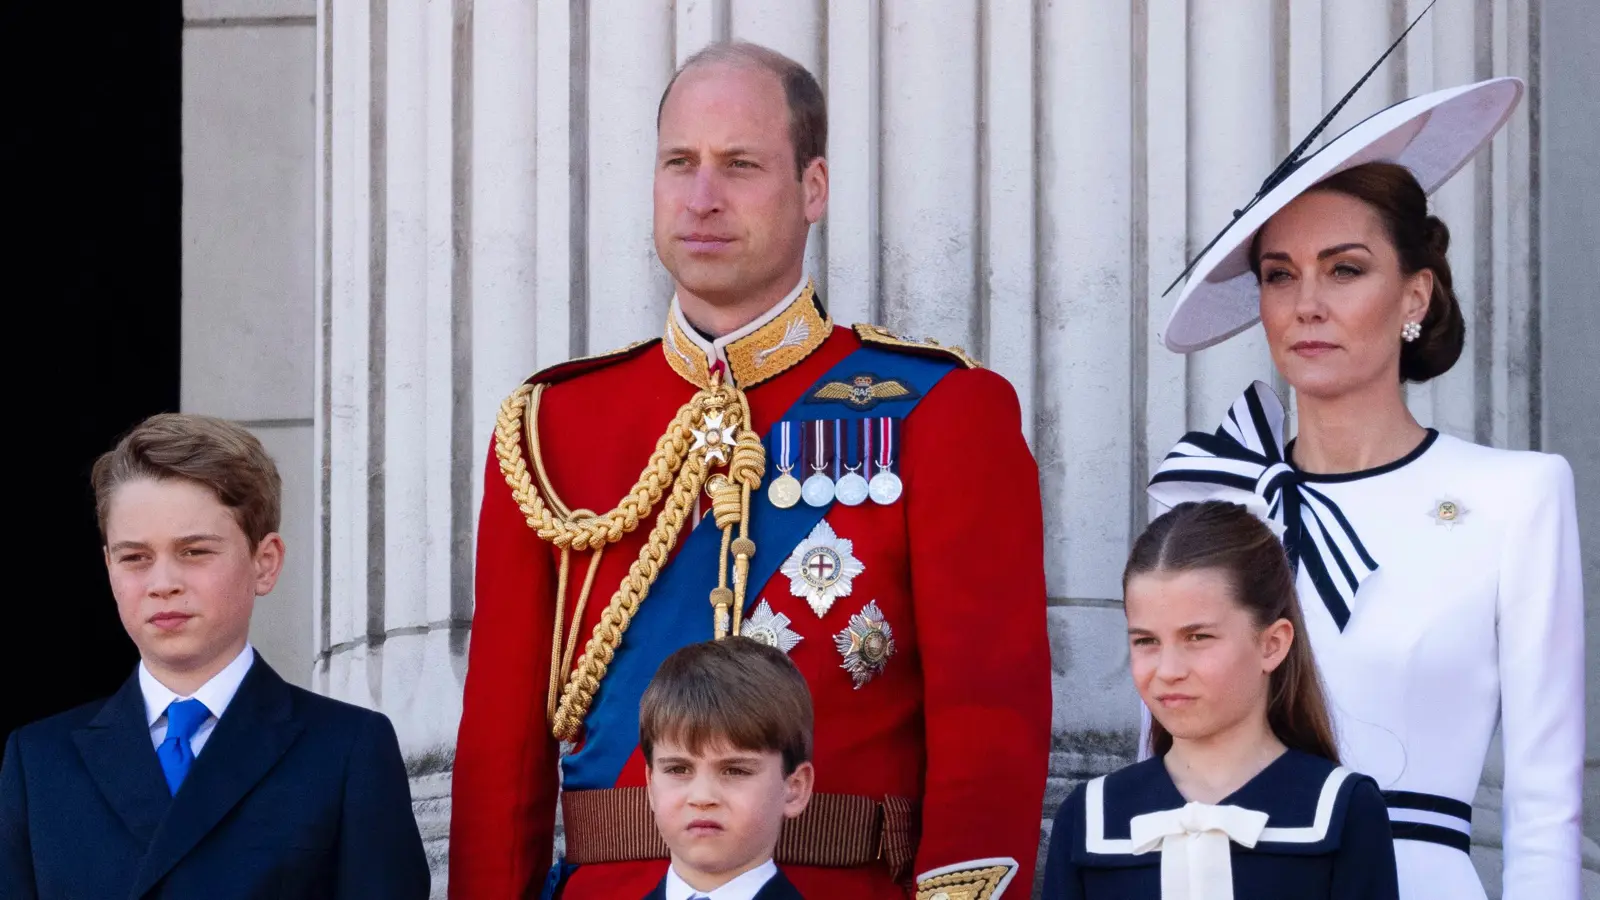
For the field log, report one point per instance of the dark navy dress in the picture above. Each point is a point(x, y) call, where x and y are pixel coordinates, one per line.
point(1326, 835)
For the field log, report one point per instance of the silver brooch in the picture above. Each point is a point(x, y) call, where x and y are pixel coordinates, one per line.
point(770, 628)
point(714, 437)
point(1448, 512)
point(866, 644)
point(822, 568)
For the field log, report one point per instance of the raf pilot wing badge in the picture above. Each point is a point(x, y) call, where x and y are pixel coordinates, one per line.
point(863, 392)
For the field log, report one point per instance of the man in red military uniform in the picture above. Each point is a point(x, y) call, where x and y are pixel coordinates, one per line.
point(864, 503)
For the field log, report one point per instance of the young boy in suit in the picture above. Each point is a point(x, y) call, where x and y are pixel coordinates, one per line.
point(725, 728)
point(206, 775)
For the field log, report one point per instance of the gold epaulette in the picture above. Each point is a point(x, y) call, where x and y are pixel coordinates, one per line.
point(572, 368)
point(879, 336)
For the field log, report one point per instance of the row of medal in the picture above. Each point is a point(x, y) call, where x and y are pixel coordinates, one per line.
point(850, 461)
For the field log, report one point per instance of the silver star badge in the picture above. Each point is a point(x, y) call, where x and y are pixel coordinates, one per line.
point(822, 568)
point(714, 437)
point(769, 628)
point(1448, 512)
point(866, 644)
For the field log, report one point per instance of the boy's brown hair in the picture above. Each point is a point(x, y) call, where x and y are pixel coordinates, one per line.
point(211, 452)
point(736, 689)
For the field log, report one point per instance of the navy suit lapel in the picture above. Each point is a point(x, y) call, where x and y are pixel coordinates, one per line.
point(252, 735)
point(660, 892)
point(116, 750)
point(778, 888)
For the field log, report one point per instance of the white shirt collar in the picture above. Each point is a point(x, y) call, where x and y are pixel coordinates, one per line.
point(216, 694)
point(745, 887)
point(716, 350)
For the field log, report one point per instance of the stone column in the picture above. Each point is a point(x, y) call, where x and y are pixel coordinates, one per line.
point(398, 451)
point(248, 151)
point(482, 211)
point(1569, 209)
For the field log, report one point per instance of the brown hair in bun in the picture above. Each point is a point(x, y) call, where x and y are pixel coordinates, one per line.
point(1421, 240)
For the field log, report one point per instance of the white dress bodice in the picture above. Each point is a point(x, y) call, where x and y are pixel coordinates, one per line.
point(1468, 623)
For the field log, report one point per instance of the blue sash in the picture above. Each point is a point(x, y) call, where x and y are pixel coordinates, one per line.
point(677, 611)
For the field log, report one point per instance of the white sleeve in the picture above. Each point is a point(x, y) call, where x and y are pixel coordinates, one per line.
point(1540, 627)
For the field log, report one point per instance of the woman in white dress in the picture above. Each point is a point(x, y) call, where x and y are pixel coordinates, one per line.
point(1440, 579)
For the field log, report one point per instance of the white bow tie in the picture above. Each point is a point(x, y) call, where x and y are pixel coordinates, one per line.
point(1195, 857)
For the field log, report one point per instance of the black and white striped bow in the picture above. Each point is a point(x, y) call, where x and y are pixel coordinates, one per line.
point(1244, 462)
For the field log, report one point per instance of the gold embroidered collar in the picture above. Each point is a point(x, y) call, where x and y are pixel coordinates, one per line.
point(773, 343)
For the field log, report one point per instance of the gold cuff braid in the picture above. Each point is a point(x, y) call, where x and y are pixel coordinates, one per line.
point(982, 882)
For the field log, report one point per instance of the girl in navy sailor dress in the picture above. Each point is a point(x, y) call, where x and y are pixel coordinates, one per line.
point(1243, 797)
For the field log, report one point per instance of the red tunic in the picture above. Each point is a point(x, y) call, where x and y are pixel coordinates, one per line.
point(959, 718)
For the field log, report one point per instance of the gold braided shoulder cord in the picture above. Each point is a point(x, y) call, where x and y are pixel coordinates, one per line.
point(674, 462)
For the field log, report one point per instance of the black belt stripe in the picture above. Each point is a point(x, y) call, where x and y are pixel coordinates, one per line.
point(1432, 834)
point(1428, 803)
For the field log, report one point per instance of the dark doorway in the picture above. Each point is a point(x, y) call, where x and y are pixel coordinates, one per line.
point(94, 293)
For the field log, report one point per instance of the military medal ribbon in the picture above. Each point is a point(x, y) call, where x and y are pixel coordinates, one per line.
point(885, 486)
point(852, 489)
point(818, 488)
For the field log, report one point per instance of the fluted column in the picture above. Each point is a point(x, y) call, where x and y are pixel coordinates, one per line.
point(1234, 126)
point(396, 440)
point(1022, 178)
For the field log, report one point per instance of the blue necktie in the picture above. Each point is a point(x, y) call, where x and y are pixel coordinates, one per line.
point(184, 718)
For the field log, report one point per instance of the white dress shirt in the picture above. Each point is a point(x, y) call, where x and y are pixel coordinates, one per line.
point(216, 694)
point(745, 887)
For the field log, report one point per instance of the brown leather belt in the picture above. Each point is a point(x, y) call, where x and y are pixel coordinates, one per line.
point(836, 830)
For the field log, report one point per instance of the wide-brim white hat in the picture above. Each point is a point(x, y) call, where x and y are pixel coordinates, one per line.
point(1433, 135)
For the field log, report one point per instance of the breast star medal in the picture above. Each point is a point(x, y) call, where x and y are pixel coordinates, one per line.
point(1448, 512)
point(866, 644)
point(822, 568)
point(769, 628)
point(784, 491)
point(885, 487)
point(714, 438)
point(818, 489)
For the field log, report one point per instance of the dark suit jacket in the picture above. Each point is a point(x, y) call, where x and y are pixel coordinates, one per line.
point(294, 795)
point(776, 888)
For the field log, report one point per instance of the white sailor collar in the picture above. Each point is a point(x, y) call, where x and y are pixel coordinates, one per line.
point(1304, 797)
point(777, 340)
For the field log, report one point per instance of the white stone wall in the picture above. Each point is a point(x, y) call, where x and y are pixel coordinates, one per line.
point(467, 200)
point(1569, 214)
point(249, 85)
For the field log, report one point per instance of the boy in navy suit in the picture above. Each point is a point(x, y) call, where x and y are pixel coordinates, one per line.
point(206, 775)
point(725, 728)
